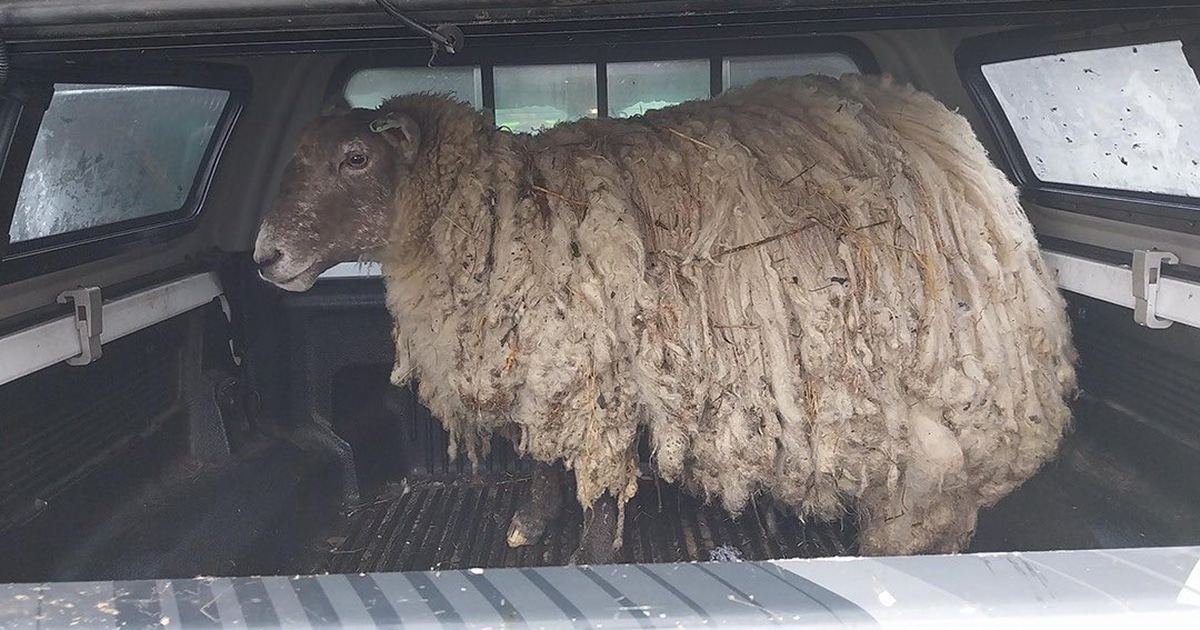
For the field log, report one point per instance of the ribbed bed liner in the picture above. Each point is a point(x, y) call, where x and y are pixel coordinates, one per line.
point(458, 524)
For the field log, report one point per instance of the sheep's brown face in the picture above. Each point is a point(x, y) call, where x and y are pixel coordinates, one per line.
point(334, 203)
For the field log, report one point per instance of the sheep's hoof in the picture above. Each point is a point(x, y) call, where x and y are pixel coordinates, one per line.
point(944, 528)
point(540, 508)
point(516, 537)
point(529, 524)
point(598, 542)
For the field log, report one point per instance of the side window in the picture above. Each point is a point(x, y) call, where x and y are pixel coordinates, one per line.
point(529, 98)
point(88, 171)
point(1119, 118)
point(369, 88)
point(636, 87)
point(739, 71)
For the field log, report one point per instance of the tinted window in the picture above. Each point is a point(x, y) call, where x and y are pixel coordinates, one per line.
point(109, 153)
point(534, 97)
point(739, 71)
point(1121, 118)
point(640, 86)
point(369, 88)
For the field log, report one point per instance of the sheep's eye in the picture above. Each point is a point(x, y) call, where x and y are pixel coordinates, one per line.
point(356, 160)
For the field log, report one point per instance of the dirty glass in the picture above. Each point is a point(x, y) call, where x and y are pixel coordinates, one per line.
point(529, 98)
point(639, 86)
point(739, 71)
point(109, 153)
point(369, 88)
point(1120, 118)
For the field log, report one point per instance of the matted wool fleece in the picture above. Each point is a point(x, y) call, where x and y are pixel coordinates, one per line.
point(818, 290)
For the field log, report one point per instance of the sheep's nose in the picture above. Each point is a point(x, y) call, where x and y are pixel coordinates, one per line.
point(265, 258)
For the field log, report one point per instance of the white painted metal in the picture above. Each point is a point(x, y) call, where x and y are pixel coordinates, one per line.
point(1110, 283)
point(38, 347)
point(89, 321)
point(1147, 274)
point(128, 315)
point(354, 270)
point(1178, 300)
point(43, 345)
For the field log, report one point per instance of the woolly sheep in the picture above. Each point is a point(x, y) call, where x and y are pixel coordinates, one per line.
point(818, 291)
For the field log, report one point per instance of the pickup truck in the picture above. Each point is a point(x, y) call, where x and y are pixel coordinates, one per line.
point(184, 445)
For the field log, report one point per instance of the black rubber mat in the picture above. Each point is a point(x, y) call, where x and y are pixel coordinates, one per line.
point(436, 525)
point(64, 422)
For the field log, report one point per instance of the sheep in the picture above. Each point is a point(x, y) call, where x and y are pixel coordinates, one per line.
point(816, 291)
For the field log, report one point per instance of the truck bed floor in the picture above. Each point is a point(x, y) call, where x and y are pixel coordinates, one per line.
point(459, 524)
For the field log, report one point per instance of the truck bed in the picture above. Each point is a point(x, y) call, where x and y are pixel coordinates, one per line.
point(145, 507)
point(1092, 497)
point(461, 524)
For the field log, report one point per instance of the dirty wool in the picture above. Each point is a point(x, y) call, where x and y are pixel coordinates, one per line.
point(818, 292)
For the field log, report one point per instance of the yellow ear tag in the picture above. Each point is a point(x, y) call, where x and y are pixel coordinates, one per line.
point(380, 125)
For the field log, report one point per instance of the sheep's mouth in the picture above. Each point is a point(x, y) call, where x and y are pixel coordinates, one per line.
point(300, 281)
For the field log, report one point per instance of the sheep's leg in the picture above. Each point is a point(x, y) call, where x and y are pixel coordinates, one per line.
point(598, 541)
point(539, 508)
point(942, 525)
point(929, 510)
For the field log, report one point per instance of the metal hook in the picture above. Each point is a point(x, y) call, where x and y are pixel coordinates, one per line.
point(1147, 272)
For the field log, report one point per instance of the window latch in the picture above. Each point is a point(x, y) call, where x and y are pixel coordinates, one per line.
point(89, 322)
point(1147, 272)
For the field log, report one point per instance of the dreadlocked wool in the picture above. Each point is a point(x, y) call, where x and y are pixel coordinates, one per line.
point(817, 290)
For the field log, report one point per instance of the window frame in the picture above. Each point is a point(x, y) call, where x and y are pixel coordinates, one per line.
point(601, 53)
point(1172, 212)
point(47, 254)
point(23, 109)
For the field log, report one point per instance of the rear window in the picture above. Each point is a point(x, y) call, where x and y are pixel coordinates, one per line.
point(739, 71)
point(526, 98)
point(369, 88)
point(529, 98)
point(107, 154)
point(636, 87)
point(536, 96)
point(1121, 118)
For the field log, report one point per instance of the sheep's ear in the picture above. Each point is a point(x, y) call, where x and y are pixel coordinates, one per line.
point(335, 104)
point(400, 131)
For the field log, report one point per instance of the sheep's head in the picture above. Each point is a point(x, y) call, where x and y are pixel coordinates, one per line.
point(334, 203)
